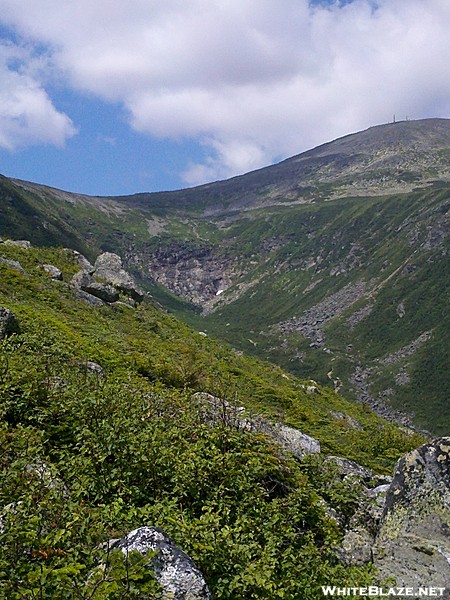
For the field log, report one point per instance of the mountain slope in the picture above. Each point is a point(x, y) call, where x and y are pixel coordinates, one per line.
point(101, 432)
point(332, 263)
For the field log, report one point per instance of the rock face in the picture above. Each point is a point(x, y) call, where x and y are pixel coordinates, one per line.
point(83, 262)
point(413, 541)
point(108, 266)
point(349, 469)
point(359, 539)
point(8, 322)
point(174, 570)
point(106, 280)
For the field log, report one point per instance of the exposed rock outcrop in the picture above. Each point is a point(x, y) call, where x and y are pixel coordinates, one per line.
point(413, 541)
point(8, 322)
point(312, 322)
point(356, 548)
point(349, 469)
point(108, 266)
point(83, 262)
point(24, 244)
point(106, 280)
point(174, 569)
point(296, 442)
point(104, 291)
point(53, 272)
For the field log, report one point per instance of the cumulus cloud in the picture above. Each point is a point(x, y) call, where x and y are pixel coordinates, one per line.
point(253, 80)
point(27, 115)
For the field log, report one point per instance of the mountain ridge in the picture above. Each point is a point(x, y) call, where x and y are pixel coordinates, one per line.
point(341, 247)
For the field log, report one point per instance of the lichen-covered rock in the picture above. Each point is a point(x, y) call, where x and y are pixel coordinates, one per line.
point(106, 280)
point(108, 266)
point(346, 420)
point(81, 279)
point(89, 298)
point(8, 322)
point(356, 547)
point(413, 542)
point(174, 569)
point(53, 272)
point(296, 442)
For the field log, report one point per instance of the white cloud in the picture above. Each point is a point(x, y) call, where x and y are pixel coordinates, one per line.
point(27, 115)
point(255, 80)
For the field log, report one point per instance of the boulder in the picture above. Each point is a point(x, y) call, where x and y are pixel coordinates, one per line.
point(8, 323)
point(53, 272)
point(108, 266)
point(349, 469)
point(12, 264)
point(106, 279)
point(356, 547)
point(346, 420)
point(81, 279)
point(91, 367)
point(217, 410)
point(88, 298)
point(24, 244)
point(174, 569)
point(86, 282)
point(83, 262)
point(104, 291)
point(296, 442)
point(413, 541)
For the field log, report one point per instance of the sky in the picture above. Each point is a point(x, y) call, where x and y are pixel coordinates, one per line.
point(107, 97)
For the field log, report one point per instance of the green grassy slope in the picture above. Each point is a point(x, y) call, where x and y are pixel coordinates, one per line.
point(128, 447)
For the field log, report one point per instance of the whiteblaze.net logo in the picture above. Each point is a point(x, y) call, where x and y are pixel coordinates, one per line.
point(375, 591)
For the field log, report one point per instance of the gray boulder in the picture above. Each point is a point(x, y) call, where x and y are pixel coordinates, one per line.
point(349, 469)
point(413, 542)
point(81, 279)
point(296, 442)
point(104, 291)
point(174, 569)
point(108, 266)
point(8, 323)
point(24, 244)
point(86, 282)
point(88, 298)
point(83, 262)
point(53, 272)
point(218, 411)
point(12, 264)
point(356, 547)
point(106, 279)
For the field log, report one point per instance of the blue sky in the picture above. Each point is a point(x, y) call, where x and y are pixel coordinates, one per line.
point(108, 97)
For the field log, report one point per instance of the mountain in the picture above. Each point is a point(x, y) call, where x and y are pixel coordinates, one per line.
point(332, 263)
point(118, 422)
